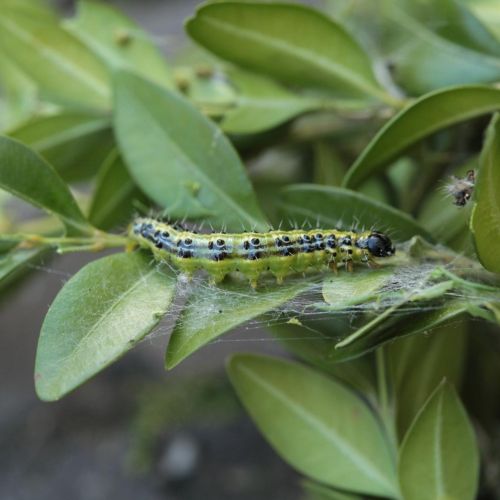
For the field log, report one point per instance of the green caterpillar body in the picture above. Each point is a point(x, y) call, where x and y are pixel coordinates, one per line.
point(280, 252)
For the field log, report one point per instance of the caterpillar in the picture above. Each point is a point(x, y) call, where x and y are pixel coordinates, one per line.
point(278, 252)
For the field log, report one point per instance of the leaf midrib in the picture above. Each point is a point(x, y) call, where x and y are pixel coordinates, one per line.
point(73, 132)
point(190, 336)
point(189, 163)
point(362, 464)
point(55, 58)
point(299, 53)
point(420, 31)
point(104, 316)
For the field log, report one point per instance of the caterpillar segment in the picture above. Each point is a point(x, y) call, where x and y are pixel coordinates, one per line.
point(279, 252)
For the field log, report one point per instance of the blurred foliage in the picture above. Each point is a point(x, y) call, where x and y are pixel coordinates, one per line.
point(201, 401)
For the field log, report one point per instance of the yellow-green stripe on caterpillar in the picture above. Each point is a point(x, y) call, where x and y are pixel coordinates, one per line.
point(280, 252)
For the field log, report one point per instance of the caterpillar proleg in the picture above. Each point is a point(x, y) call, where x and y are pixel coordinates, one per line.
point(279, 252)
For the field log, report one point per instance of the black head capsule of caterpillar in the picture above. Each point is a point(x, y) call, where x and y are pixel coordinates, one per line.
point(377, 244)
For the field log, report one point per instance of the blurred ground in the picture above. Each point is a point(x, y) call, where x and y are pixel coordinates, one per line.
point(135, 431)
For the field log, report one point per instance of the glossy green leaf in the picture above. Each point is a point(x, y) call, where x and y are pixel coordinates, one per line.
point(437, 44)
point(439, 456)
point(261, 104)
point(333, 207)
point(75, 144)
point(118, 41)
point(100, 314)
point(114, 195)
point(485, 220)
point(312, 49)
point(316, 424)
point(64, 69)
point(227, 306)
point(430, 44)
point(30, 177)
point(419, 119)
point(179, 158)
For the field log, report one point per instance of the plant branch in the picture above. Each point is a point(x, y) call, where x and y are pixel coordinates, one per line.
point(64, 244)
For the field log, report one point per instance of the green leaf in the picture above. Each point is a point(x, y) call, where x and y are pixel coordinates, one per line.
point(328, 167)
point(179, 158)
point(485, 219)
point(332, 207)
point(317, 491)
point(457, 23)
point(226, 307)
point(312, 49)
point(75, 144)
point(262, 104)
point(347, 290)
point(14, 261)
point(312, 341)
point(316, 424)
point(30, 177)
point(303, 340)
point(64, 69)
point(403, 298)
point(420, 362)
point(18, 94)
point(426, 115)
point(437, 44)
point(5, 220)
point(114, 195)
point(38, 8)
point(439, 456)
point(397, 325)
point(206, 86)
point(487, 11)
point(118, 41)
point(100, 314)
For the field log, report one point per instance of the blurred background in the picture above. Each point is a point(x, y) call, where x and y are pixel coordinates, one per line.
point(135, 431)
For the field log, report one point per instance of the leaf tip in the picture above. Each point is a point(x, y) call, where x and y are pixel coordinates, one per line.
point(43, 391)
